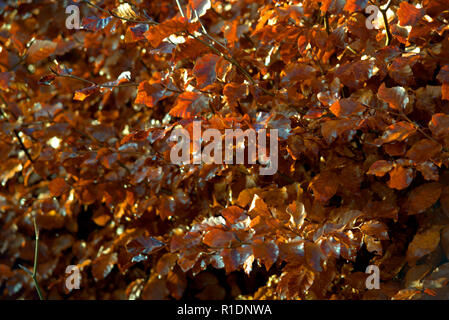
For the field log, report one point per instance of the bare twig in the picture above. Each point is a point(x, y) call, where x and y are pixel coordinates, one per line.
point(180, 9)
point(33, 274)
point(117, 16)
point(387, 25)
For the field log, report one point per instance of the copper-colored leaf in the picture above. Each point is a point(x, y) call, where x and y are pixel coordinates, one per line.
point(396, 97)
point(204, 70)
point(189, 104)
point(346, 107)
point(355, 5)
point(40, 49)
point(439, 125)
point(423, 197)
point(424, 150)
point(380, 168)
point(58, 187)
point(266, 251)
point(218, 238)
point(400, 178)
point(324, 185)
point(408, 14)
point(423, 243)
point(102, 266)
point(398, 131)
point(156, 34)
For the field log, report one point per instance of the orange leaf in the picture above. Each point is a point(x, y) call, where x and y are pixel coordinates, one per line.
point(189, 104)
point(380, 168)
point(396, 97)
point(156, 34)
point(58, 187)
point(408, 14)
point(204, 70)
point(346, 107)
point(400, 178)
point(40, 49)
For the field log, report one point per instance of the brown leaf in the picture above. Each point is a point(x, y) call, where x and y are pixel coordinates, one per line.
point(380, 168)
point(81, 95)
point(156, 34)
point(324, 185)
point(58, 187)
point(155, 289)
point(346, 107)
point(40, 49)
point(233, 214)
point(423, 150)
point(218, 238)
point(144, 245)
point(266, 251)
point(408, 14)
point(189, 104)
point(439, 125)
point(234, 92)
point(102, 266)
point(355, 5)
point(400, 178)
point(398, 131)
point(204, 70)
point(423, 243)
point(423, 197)
point(396, 97)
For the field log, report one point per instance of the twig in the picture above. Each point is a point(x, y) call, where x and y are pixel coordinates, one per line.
point(387, 25)
point(180, 9)
point(16, 133)
point(33, 274)
point(326, 23)
point(118, 17)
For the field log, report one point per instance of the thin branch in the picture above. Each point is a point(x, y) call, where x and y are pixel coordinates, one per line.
point(33, 274)
point(387, 25)
point(117, 16)
point(16, 133)
point(180, 9)
point(326, 23)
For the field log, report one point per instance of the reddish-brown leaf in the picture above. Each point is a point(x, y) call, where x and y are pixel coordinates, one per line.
point(324, 185)
point(439, 125)
point(398, 131)
point(424, 150)
point(400, 178)
point(234, 92)
point(355, 5)
point(41, 49)
point(58, 187)
point(346, 107)
point(396, 97)
point(189, 104)
point(408, 14)
point(423, 197)
point(218, 238)
point(204, 70)
point(156, 34)
point(102, 266)
point(81, 95)
point(423, 243)
point(380, 168)
point(266, 251)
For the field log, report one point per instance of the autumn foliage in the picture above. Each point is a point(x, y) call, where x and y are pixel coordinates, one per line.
point(363, 120)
